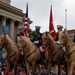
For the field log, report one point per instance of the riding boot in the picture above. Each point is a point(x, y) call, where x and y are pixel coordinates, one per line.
point(43, 58)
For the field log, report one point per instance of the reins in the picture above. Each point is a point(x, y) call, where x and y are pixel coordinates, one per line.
point(59, 48)
point(68, 55)
point(4, 44)
point(69, 46)
point(27, 48)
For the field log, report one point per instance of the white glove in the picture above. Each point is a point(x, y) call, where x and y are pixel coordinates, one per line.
point(36, 42)
point(41, 49)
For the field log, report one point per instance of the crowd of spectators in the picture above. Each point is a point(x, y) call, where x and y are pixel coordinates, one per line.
point(21, 70)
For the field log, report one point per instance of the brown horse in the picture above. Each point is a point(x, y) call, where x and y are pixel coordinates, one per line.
point(56, 51)
point(31, 52)
point(12, 52)
point(66, 41)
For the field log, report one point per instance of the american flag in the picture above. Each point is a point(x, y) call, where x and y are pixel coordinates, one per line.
point(26, 25)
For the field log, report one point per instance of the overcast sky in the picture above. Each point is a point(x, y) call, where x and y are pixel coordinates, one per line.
point(39, 12)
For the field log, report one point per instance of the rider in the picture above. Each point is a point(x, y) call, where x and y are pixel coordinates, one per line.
point(38, 42)
point(21, 33)
point(37, 39)
point(59, 28)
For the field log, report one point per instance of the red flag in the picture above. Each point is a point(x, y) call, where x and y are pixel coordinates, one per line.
point(26, 25)
point(51, 26)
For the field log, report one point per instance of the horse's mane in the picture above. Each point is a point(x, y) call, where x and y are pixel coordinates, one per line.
point(7, 38)
point(8, 42)
point(26, 39)
point(67, 35)
point(50, 37)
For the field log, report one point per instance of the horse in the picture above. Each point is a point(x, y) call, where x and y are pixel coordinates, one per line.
point(66, 41)
point(12, 56)
point(56, 52)
point(31, 53)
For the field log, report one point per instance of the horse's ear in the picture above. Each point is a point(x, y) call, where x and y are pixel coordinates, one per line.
point(65, 31)
point(46, 33)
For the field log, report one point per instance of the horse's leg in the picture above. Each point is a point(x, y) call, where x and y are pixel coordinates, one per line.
point(49, 66)
point(74, 70)
point(33, 68)
point(66, 66)
point(71, 68)
point(55, 69)
point(39, 68)
point(27, 68)
point(15, 68)
point(59, 72)
point(7, 69)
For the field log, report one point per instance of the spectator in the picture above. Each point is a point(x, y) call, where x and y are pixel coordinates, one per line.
point(1, 73)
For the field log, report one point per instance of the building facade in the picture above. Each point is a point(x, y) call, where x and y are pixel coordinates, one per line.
point(11, 17)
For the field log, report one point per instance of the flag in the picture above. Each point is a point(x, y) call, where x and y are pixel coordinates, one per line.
point(5, 29)
point(51, 26)
point(26, 25)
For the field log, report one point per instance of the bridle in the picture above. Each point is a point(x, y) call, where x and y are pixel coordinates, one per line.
point(67, 55)
point(5, 46)
point(46, 44)
point(63, 44)
point(23, 44)
point(24, 48)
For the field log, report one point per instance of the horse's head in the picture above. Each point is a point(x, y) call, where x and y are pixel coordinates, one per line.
point(45, 40)
point(2, 40)
point(62, 37)
point(20, 42)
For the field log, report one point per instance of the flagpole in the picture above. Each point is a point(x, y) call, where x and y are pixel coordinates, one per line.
point(66, 19)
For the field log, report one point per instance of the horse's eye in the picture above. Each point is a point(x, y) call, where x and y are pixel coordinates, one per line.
point(45, 38)
point(20, 41)
point(63, 36)
point(1, 40)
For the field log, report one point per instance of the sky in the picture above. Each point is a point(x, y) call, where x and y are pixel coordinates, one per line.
point(39, 12)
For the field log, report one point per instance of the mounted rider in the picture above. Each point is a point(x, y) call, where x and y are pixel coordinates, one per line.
point(37, 40)
point(59, 28)
point(20, 33)
point(37, 37)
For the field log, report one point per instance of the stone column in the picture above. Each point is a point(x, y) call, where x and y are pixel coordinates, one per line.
point(12, 30)
point(4, 21)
